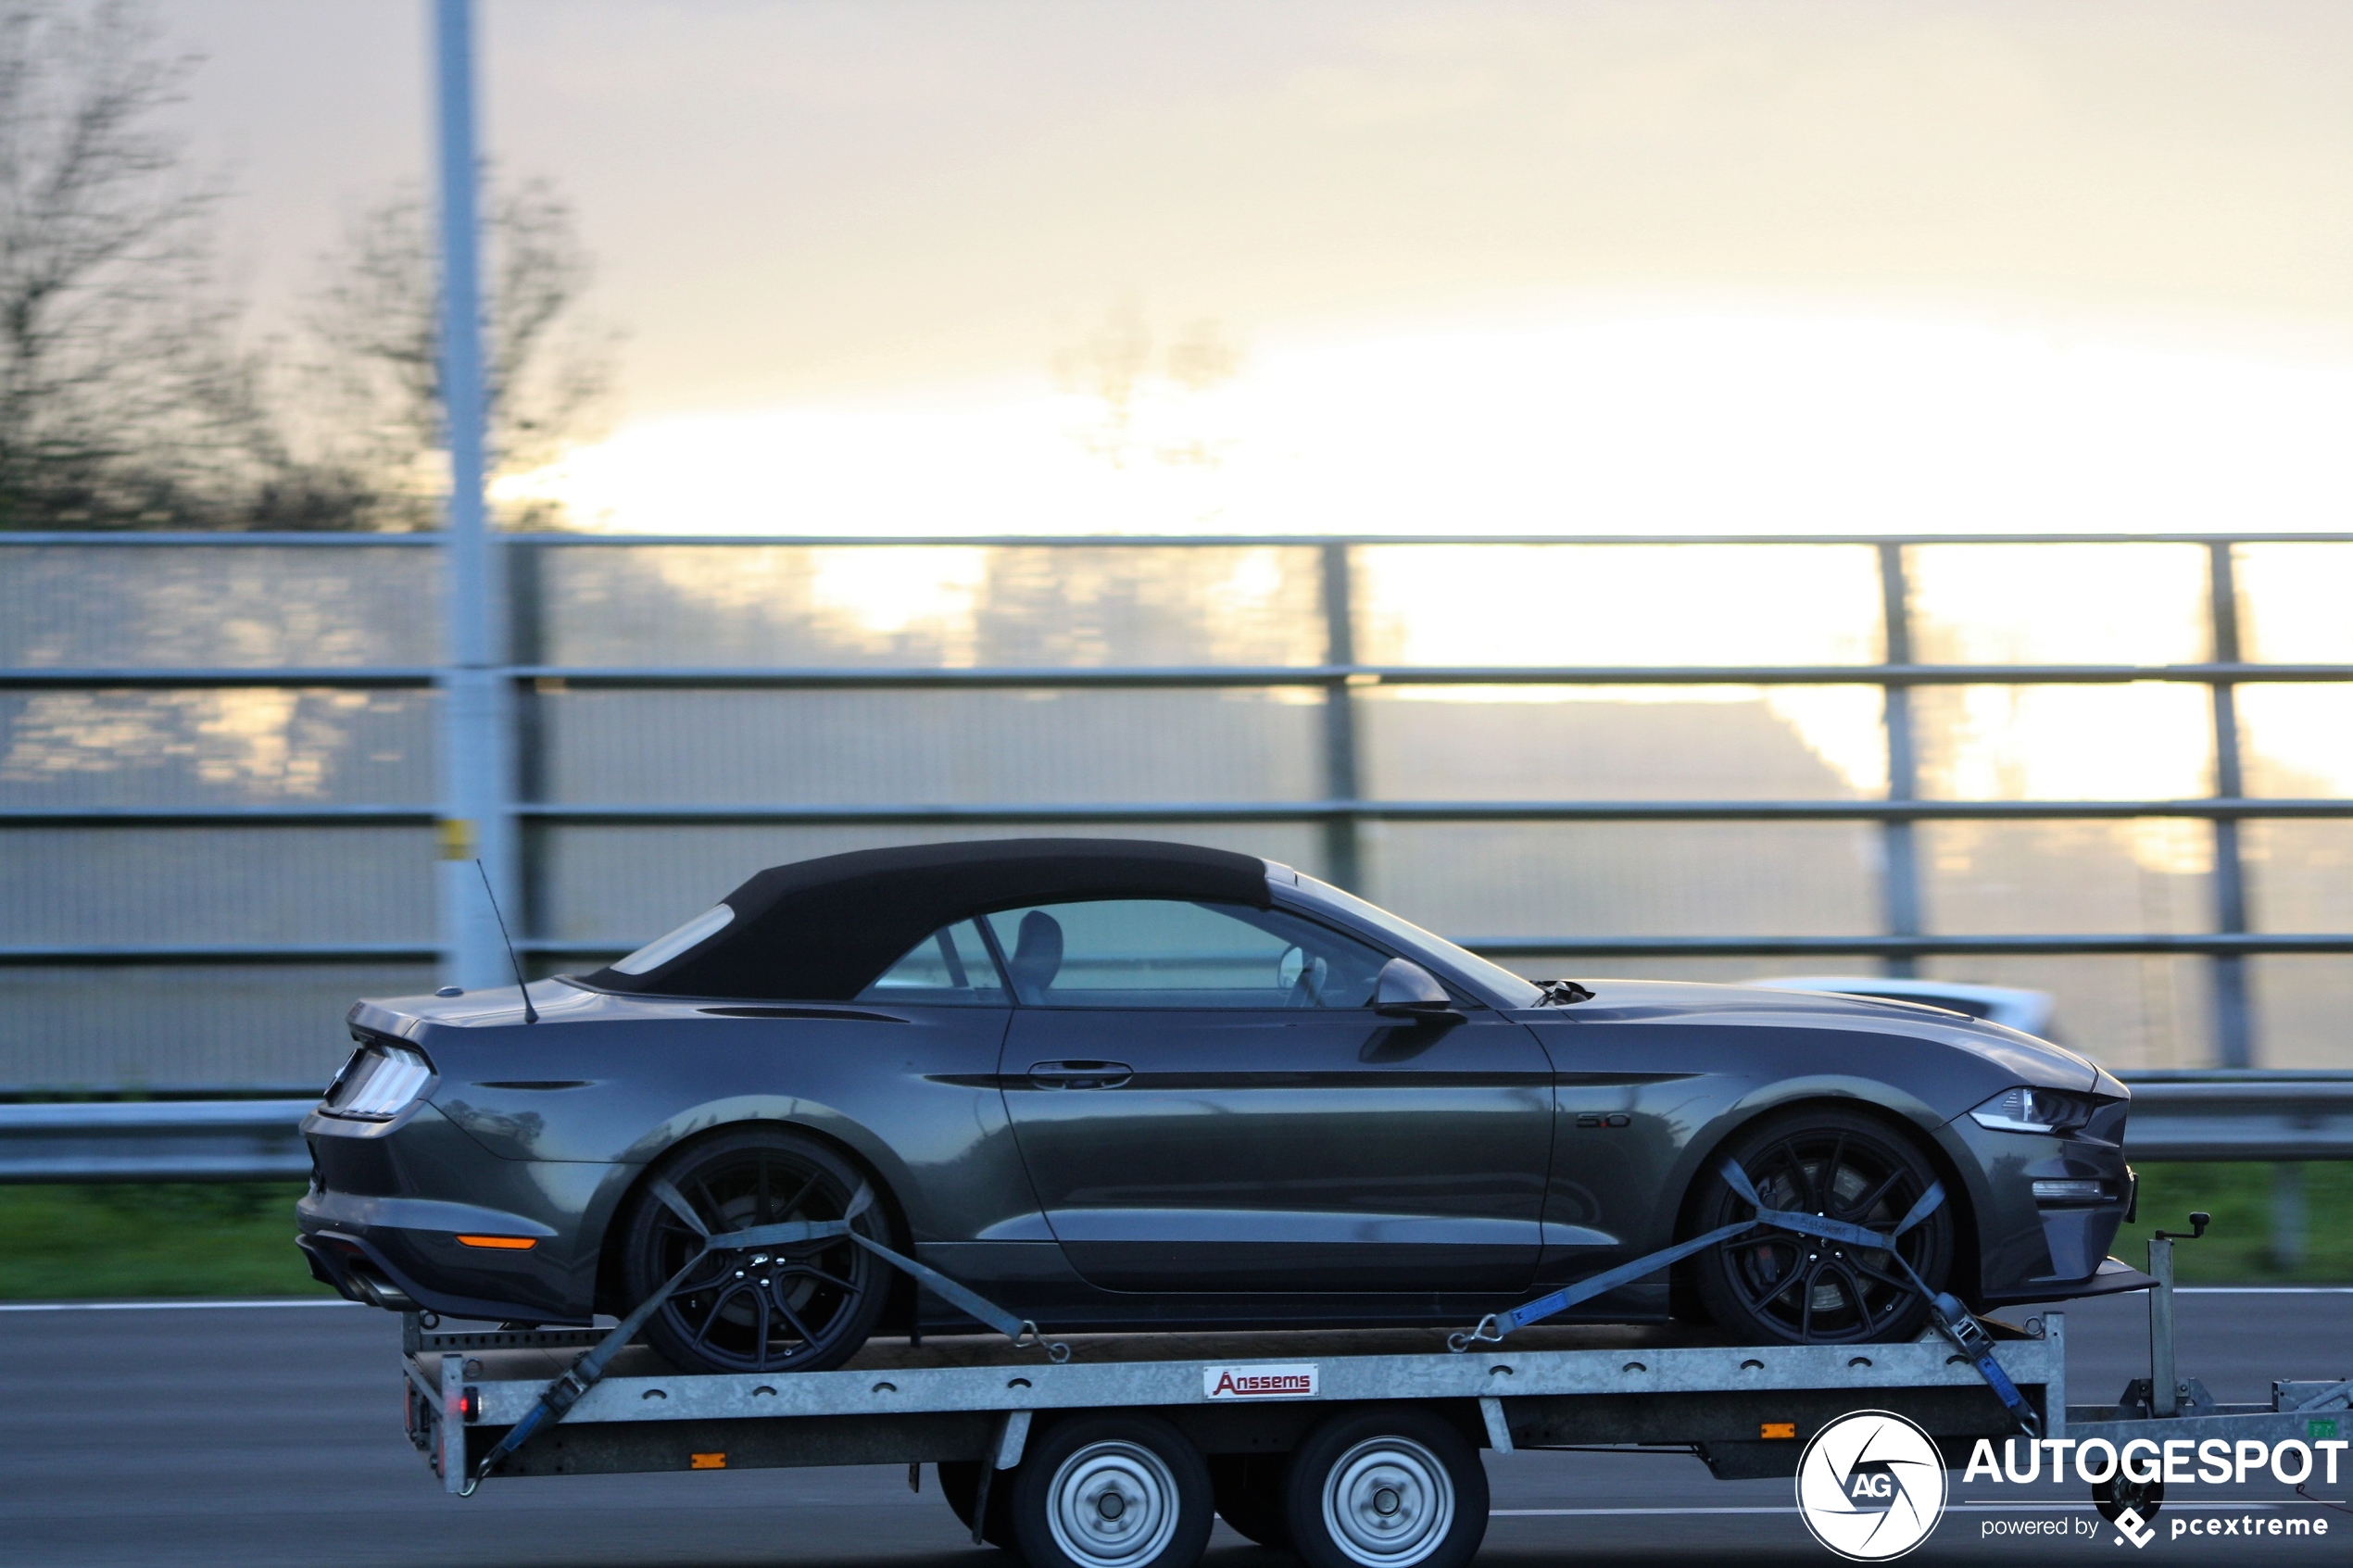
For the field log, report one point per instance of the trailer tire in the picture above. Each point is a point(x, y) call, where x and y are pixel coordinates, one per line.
point(1111, 1491)
point(2116, 1494)
point(1250, 1496)
point(1388, 1487)
point(960, 1484)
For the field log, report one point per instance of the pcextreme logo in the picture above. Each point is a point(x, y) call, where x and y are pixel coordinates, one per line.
point(1870, 1486)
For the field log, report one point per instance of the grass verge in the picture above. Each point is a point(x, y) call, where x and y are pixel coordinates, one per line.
point(2240, 1248)
point(174, 1240)
point(236, 1239)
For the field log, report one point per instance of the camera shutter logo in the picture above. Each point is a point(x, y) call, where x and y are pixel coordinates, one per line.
point(1870, 1486)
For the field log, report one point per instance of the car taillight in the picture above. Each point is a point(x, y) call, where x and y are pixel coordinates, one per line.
point(380, 1081)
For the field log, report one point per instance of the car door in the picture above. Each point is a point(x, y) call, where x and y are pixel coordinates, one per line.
point(1205, 1102)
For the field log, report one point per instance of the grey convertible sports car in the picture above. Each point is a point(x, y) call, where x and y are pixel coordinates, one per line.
point(1115, 1084)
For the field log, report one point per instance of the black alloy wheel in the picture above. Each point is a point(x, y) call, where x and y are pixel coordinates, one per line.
point(800, 1307)
point(1773, 1285)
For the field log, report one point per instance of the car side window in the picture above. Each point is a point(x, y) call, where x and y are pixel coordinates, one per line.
point(1174, 953)
point(951, 965)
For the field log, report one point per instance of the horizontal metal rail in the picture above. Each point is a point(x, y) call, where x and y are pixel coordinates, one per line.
point(1906, 946)
point(2217, 1116)
point(155, 1141)
point(119, 954)
point(330, 540)
point(1143, 677)
point(2246, 1115)
point(623, 813)
point(122, 954)
point(341, 677)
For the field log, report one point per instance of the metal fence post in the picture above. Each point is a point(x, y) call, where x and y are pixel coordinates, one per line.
point(1899, 886)
point(1340, 847)
point(2233, 1016)
point(476, 754)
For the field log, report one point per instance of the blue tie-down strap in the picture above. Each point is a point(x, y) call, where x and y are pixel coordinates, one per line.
point(1948, 1315)
point(566, 1391)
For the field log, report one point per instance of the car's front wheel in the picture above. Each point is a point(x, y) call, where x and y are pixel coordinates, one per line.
point(1772, 1286)
point(800, 1307)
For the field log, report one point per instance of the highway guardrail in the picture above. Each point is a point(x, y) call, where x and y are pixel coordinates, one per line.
point(2249, 1115)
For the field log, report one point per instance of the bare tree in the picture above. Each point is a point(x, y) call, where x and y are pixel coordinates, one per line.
point(1119, 367)
point(124, 398)
point(377, 416)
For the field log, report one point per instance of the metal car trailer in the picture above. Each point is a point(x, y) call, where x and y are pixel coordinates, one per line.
point(1246, 1403)
point(1159, 1430)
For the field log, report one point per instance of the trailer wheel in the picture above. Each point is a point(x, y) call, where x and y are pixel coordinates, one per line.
point(1394, 1488)
point(1250, 1496)
point(2119, 1492)
point(1111, 1491)
point(960, 1484)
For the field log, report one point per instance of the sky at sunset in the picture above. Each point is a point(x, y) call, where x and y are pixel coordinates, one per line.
point(907, 267)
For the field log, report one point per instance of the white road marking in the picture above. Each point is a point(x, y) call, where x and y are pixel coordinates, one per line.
point(168, 1306)
point(2170, 1507)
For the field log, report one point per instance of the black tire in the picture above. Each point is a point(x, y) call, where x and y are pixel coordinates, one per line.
point(1388, 1487)
point(960, 1484)
point(1248, 1488)
point(2116, 1494)
point(803, 1307)
point(1770, 1287)
point(1111, 1491)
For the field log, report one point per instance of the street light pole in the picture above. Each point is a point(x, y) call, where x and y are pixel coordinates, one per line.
point(475, 756)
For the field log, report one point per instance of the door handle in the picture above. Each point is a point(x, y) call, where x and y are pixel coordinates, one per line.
point(1080, 1074)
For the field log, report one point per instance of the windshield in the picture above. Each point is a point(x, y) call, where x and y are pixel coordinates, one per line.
point(1513, 991)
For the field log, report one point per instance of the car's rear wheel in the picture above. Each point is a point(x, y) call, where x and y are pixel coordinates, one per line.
point(1772, 1286)
point(801, 1307)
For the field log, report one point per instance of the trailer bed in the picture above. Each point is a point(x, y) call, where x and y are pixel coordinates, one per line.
point(1747, 1409)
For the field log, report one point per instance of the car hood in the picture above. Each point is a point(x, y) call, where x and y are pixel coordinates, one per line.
point(2034, 1062)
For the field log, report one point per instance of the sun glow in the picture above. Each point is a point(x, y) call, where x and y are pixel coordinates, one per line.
point(1691, 424)
point(1723, 424)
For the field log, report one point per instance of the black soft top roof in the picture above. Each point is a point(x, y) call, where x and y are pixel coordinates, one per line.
point(824, 929)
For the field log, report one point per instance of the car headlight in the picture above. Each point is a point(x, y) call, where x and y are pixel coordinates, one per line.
point(378, 1083)
point(2033, 1110)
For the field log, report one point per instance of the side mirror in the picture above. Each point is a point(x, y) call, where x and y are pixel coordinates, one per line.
point(1406, 989)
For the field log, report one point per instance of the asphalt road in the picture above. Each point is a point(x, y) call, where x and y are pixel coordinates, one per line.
point(261, 1436)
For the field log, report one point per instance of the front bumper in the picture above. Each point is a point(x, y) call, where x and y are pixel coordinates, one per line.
point(2035, 1250)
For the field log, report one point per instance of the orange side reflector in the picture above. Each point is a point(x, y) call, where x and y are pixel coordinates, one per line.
point(504, 1242)
point(1778, 1429)
point(706, 1462)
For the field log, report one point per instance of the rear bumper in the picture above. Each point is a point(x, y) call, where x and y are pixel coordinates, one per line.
point(389, 1201)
